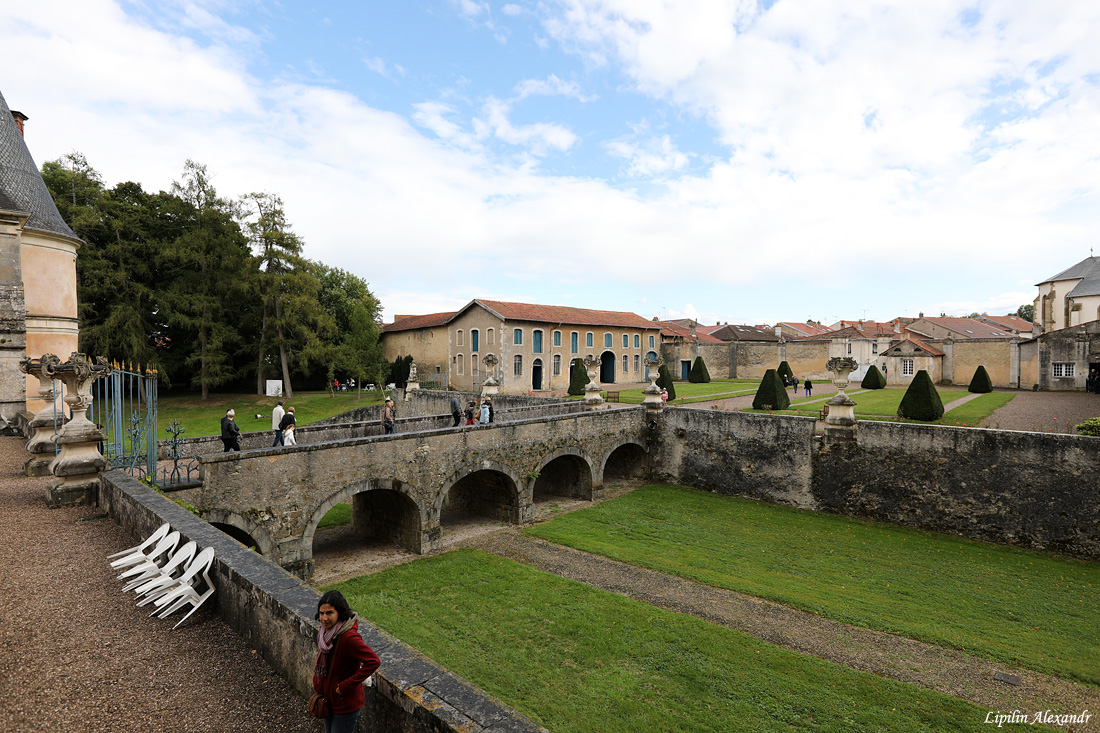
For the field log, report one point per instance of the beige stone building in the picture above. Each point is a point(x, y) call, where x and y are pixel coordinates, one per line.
point(38, 305)
point(1070, 298)
point(533, 345)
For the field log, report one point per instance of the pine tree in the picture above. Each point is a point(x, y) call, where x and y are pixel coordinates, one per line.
point(981, 383)
point(873, 379)
point(771, 394)
point(699, 373)
point(921, 400)
point(664, 381)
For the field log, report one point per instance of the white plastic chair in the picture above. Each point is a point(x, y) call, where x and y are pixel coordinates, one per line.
point(165, 547)
point(158, 533)
point(157, 575)
point(184, 594)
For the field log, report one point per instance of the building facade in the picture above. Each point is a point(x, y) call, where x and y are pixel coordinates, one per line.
point(1070, 298)
point(38, 301)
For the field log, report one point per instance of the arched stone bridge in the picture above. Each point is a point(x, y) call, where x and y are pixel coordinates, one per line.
point(399, 484)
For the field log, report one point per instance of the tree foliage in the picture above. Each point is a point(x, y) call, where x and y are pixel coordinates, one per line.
point(981, 383)
point(784, 373)
point(873, 379)
point(921, 401)
point(664, 381)
point(578, 377)
point(1027, 312)
point(699, 373)
point(771, 394)
point(211, 291)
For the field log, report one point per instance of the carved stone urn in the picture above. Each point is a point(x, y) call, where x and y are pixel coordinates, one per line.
point(840, 424)
point(46, 422)
point(592, 398)
point(79, 462)
point(654, 405)
point(490, 386)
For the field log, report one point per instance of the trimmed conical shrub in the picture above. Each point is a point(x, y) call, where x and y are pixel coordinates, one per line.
point(771, 394)
point(784, 372)
point(981, 382)
point(698, 373)
point(578, 377)
point(873, 379)
point(664, 381)
point(921, 400)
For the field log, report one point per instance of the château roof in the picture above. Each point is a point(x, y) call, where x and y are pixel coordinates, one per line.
point(21, 185)
point(560, 314)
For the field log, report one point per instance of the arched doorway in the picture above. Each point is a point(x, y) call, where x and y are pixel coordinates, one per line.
point(567, 476)
point(607, 368)
point(627, 462)
point(366, 528)
point(476, 497)
point(536, 374)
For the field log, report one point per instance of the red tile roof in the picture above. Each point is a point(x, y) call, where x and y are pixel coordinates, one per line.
point(409, 323)
point(562, 314)
point(1014, 323)
point(909, 337)
point(967, 328)
point(807, 329)
point(668, 328)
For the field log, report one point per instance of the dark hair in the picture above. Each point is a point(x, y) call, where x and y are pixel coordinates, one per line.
point(335, 599)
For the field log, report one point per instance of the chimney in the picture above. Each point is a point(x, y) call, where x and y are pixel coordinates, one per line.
point(20, 118)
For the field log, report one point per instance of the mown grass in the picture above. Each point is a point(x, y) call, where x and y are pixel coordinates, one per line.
point(1022, 608)
point(687, 392)
point(581, 660)
point(339, 514)
point(204, 418)
point(877, 406)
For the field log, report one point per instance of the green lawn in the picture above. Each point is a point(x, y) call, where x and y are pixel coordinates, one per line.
point(339, 514)
point(204, 418)
point(581, 660)
point(695, 392)
point(883, 405)
point(1023, 608)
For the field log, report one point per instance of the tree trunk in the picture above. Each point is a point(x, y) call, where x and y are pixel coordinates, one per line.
point(260, 391)
point(287, 389)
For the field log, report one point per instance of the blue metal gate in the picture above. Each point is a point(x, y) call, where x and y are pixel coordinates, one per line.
point(124, 405)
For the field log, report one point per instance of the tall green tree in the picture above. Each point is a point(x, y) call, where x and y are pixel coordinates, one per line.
point(1027, 312)
point(207, 271)
point(355, 349)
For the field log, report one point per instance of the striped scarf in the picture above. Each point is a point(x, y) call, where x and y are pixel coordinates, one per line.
point(326, 642)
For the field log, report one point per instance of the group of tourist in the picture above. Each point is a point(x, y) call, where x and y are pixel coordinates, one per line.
point(792, 382)
point(282, 424)
point(474, 414)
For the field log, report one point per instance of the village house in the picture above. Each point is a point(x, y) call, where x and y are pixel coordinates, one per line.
point(1070, 298)
point(531, 346)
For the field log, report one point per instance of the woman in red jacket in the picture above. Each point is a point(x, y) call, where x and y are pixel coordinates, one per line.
point(344, 662)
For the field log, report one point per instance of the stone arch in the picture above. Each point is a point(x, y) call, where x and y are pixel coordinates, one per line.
point(607, 367)
point(503, 495)
point(265, 544)
point(342, 495)
point(566, 472)
point(629, 459)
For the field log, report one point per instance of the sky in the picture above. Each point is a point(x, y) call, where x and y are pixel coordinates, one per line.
point(730, 161)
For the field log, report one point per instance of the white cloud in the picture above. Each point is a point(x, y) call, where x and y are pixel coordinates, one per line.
point(538, 138)
point(511, 9)
point(650, 157)
point(550, 86)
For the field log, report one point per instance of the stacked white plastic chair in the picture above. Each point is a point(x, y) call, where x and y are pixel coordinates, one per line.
point(171, 584)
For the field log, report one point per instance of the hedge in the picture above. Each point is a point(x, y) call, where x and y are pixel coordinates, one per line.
point(698, 373)
point(921, 400)
point(771, 394)
point(981, 382)
point(873, 379)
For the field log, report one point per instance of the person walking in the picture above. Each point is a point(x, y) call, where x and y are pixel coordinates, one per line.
point(794, 381)
point(276, 418)
point(809, 387)
point(456, 410)
point(389, 418)
point(231, 434)
point(489, 402)
point(287, 425)
point(470, 411)
point(344, 662)
point(483, 414)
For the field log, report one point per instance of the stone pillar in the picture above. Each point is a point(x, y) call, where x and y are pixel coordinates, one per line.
point(79, 463)
point(490, 386)
point(592, 398)
point(46, 421)
point(654, 405)
point(840, 425)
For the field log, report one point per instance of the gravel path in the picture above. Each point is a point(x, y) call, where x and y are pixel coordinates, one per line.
point(1045, 412)
point(77, 655)
point(886, 655)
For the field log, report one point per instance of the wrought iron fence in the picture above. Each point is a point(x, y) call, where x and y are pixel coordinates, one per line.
point(124, 406)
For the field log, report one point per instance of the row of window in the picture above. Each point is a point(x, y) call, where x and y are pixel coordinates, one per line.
point(536, 340)
point(517, 364)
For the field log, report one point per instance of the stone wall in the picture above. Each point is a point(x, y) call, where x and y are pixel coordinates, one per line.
point(273, 611)
point(966, 355)
point(1027, 489)
point(717, 359)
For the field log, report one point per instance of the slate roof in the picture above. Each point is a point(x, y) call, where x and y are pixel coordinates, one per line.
point(971, 328)
point(735, 332)
point(21, 185)
point(1009, 322)
point(672, 328)
point(1087, 270)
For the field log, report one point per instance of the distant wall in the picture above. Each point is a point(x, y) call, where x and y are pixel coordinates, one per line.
point(1028, 489)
